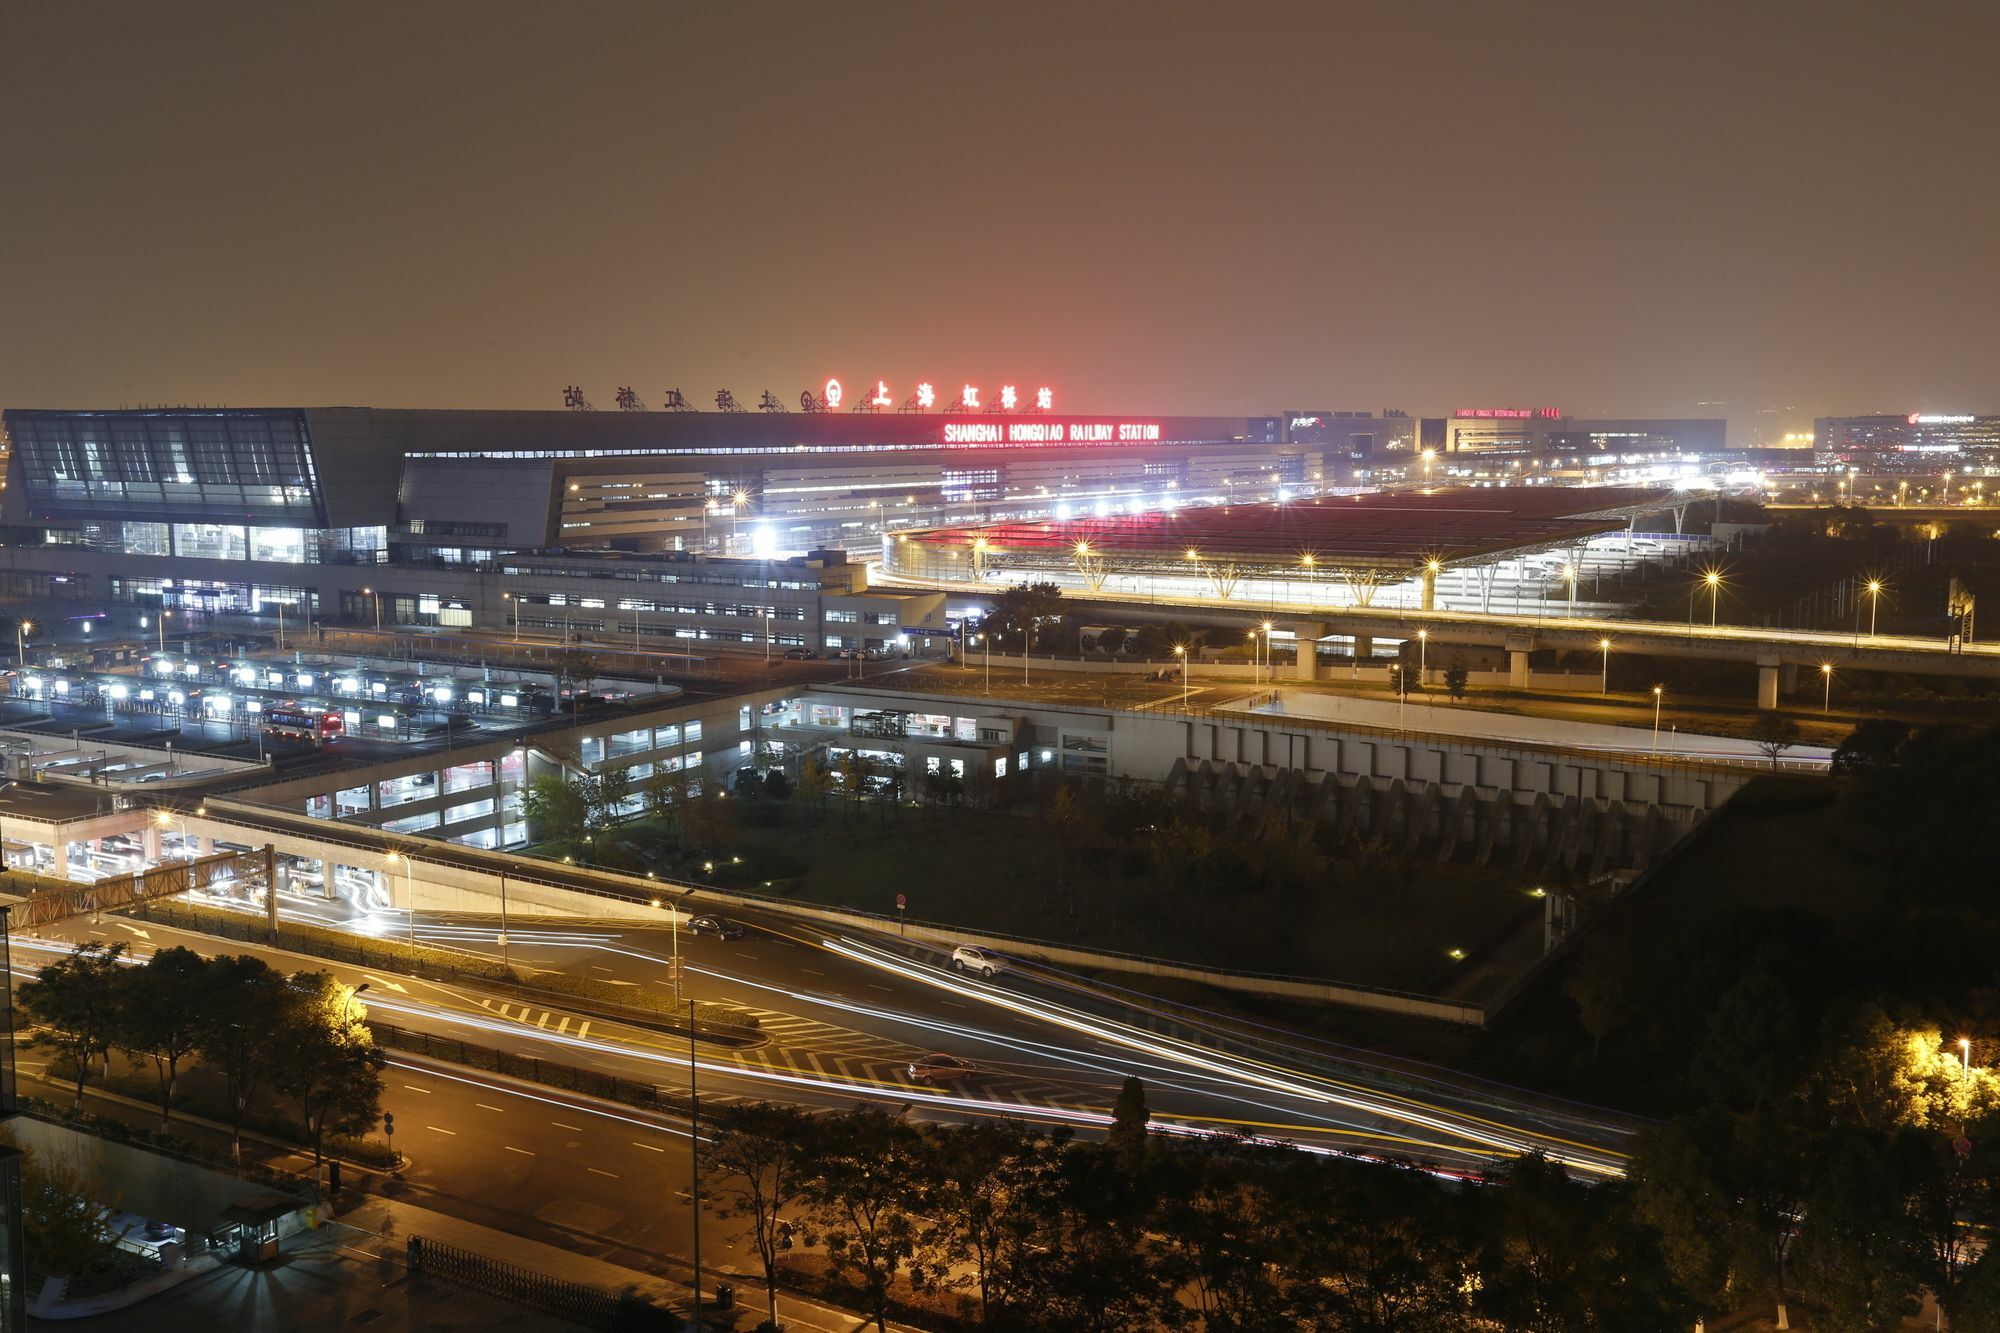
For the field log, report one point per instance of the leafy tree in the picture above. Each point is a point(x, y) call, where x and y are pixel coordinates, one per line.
point(1773, 734)
point(1768, 1172)
point(62, 1215)
point(327, 1060)
point(1129, 1118)
point(979, 1185)
point(558, 806)
point(1226, 1233)
point(1023, 609)
point(77, 1001)
point(1857, 1240)
point(1873, 746)
point(1756, 1035)
point(1374, 1250)
point(1538, 1236)
point(1111, 639)
point(777, 787)
point(759, 1152)
point(862, 1190)
point(815, 779)
point(1064, 815)
point(1093, 1266)
point(244, 1019)
point(1157, 640)
point(1679, 1191)
point(747, 783)
point(710, 820)
point(1607, 985)
point(160, 1015)
point(1455, 678)
point(574, 669)
point(606, 792)
point(665, 793)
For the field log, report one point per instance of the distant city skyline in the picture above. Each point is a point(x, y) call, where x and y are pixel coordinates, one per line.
point(1768, 213)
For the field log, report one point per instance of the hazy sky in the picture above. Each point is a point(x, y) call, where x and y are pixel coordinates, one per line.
point(1613, 208)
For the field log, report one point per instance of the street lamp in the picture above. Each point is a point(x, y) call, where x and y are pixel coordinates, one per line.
point(163, 628)
point(1267, 649)
point(510, 597)
point(1423, 655)
point(410, 891)
point(21, 631)
point(1605, 685)
point(1430, 457)
point(1180, 651)
point(1965, 1057)
point(1658, 691)
point(1826, 674)
point(370, 592)
point(1713, 578)
point(1874, 603)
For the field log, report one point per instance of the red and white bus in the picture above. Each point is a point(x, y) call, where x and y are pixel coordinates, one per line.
point(319, 728)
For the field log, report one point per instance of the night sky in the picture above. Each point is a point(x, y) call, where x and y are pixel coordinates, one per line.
point(1759, 210)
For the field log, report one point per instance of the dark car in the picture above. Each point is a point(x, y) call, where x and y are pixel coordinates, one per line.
point(719, 926)
point(799, 654)
point(939, 1068)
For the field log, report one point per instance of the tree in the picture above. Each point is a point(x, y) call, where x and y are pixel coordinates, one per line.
point(606, 792)
point(1773, 734)
point(76, 1000)
point(160, 1015)
point(710, 820)
point(747, 783)
point(1607, 985)
point(1874, 746)
point(1857, 1241)
point(1160, 639)
point(1537, 1240)
point(1402, 678)
point(1129, 1117)
point(62, 1215)
point(863, 1188)
point(1111, 639)
point(244, 1018)
point(982, 1177)
point(327, 1060)
point(1374, 1249)
point(815, 779)
point(1678, 1191)
point(777, 787)
point(1021, 611)
point(573, 669)
point(1063, 817)
point(665, 792)
point(759, 1153)
point(558, 807)
point(1455, 678)
point(1089, 1260)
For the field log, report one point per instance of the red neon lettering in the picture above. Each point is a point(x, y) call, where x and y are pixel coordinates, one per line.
point(1007, 397)
point(926, 395)
point(969, 395)
point(1045, 399)
point(881, 398)
point(833, 392)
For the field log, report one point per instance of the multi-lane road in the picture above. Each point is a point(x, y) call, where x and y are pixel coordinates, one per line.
point(843, 1017)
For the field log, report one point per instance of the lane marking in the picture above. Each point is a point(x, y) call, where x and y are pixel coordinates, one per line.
point(873, 986)
point(511, 1148)
point(647, 1146)
point(414, 1088)
point(434, 1129)
point(564, 1025)
point(575, 1129)
point(594, 1171)
point(484, 1107)
point(583, 1030)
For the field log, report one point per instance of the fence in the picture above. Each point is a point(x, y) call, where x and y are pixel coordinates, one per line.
point(424, 964)
point(533, 1069)
point(581, 1305)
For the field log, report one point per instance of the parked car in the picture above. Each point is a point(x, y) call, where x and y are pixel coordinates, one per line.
point(939, 1068)
point(800, 654)
point(719, 926)
point(966, 958)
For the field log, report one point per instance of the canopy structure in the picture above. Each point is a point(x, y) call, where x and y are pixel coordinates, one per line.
point(1375, 538)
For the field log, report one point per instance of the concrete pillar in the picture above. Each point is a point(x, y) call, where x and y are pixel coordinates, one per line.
point(1430, 590)
point(1308, 633)
point(1788, 678)
point(62, 857)
point(149, 843)
point(1364, 647)
point(1518, 648)
point(1767, 683)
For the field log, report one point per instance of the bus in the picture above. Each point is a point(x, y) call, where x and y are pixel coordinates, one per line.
point(319, 728)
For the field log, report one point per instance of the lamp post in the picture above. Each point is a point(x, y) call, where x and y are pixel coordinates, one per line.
point(164, 613)
point(1658, 691)
point(1423, 656)
point(21, 631)
point(1604, 686)
point(1180, 651)
point(1826, 696)
point(410, 890)
point(1267, 649)
point(1713, 579)
point(1965, 1057)
point(370, 592)
point(1874, 603)
point(510, 597)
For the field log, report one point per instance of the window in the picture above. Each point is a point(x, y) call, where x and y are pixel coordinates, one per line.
point(666, 736)
point(412, 824)
point(470, 810)
point(932, 764)
point(350, 801)
point(692, 731)
point(401, 791)
point(1000, 767)
point(843, 617)
point(465, 777)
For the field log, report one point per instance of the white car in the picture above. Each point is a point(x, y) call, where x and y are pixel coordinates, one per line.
point(966, 958)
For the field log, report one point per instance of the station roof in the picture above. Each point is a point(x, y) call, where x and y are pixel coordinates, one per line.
point(1376, 530)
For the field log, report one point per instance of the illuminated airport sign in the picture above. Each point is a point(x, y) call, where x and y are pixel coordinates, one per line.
point(1935, 419)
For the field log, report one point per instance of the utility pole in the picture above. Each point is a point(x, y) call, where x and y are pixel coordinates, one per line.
point(694, 1162)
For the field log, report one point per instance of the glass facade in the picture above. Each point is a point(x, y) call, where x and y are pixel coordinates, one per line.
point(222, 465)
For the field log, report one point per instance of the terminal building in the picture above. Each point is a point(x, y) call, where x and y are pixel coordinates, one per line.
point(1908, 442)
point(720, 526)
point(1514, 438)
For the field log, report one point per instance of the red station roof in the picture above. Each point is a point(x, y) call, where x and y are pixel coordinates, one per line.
point(1380, 528)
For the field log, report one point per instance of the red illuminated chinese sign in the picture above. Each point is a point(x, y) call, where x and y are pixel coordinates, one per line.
point(1508, 414)
point(1006, 430)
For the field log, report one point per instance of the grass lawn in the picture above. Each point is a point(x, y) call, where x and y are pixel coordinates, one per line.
point(1391, 924)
